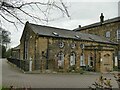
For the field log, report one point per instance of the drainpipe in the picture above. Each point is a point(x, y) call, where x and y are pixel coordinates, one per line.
point(47, 54)
point(35, 54)
point(95, 59)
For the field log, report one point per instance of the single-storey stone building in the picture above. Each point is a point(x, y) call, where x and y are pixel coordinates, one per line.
point(56, 49)
point(15, 52)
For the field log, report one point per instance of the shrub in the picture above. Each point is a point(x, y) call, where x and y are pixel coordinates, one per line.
point(117, 77)
point(101, 83)
point(72, 68)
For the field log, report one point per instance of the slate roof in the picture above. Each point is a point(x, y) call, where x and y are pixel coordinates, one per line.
point(117, 19)
point(16, 48)
point(65, 33)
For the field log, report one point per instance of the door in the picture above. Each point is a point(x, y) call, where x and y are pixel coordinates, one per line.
point(106, 63)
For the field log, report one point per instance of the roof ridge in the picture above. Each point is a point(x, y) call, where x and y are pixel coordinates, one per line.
point(51, 27)
point(64, 33)
point(98, 23)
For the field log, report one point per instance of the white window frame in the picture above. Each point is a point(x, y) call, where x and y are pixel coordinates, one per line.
point(118, 34)
point(26, 49)
point(107, 34)
point(82, 46)
point(60, 59)
point(119, 55)
point(61, 44)
point(82, 60)
point(72, 59)
point(73, 45)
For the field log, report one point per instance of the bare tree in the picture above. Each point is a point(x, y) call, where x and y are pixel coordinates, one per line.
point(16, 11)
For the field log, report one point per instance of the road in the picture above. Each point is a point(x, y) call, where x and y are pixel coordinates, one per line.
point(12, 76)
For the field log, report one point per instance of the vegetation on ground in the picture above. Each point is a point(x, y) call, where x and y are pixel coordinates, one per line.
point(101, 83)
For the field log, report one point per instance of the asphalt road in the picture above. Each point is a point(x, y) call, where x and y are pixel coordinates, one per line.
point(12, 76)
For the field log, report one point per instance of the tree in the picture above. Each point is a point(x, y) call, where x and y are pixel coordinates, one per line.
point(3, 51)
point(11, 10)
point(5, 40)
point(8, 53)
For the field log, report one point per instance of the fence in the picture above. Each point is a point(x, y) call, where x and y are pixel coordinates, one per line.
point(22, 64)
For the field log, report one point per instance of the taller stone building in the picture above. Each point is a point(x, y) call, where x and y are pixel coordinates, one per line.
point(109, 29)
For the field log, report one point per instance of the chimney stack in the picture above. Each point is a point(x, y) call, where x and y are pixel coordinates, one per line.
point(79, 26)
point(101, 18)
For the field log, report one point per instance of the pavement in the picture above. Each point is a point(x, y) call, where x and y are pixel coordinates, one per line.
point(12, 76)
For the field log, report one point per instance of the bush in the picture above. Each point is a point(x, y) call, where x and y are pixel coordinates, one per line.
point(117, 77)
point(101, 83)
point(79, 70)
point(116, 68)
point(72, 68)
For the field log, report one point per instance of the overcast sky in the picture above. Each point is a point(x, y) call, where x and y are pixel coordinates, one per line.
point(82, 13)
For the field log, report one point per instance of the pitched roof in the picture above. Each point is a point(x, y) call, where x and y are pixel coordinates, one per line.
point(117, 19)
point(16, 48)
point(65, 33)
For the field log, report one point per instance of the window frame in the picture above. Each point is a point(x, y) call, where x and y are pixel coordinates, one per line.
point(118, 35)
point(72, 59)
point(107, 34)
point(61, 44)
point(72, 45)
point(82, 60)
point(61, 59)
point(118, 54)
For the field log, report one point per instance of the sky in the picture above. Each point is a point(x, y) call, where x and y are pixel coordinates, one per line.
point(82, 12)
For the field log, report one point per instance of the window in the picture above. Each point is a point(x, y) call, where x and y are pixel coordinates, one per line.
point(72, 59)
point(90, 60)
point(54, 33)
point(82, 46)
point(26, 50)
point(119, 55)
point(60, 59)
point(118, 34)
point(77, 36)
point(61, 44)
point(107, 34)
point(82, 60)
point(73, 45)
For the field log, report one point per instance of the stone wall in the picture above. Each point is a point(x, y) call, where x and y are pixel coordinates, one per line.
point(44, 51)
point(48, 49)
point(101, 31)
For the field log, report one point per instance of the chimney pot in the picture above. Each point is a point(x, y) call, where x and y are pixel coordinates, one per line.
point(101, 18)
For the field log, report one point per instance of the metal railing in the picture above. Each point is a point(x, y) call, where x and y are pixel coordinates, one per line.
point(22, 64)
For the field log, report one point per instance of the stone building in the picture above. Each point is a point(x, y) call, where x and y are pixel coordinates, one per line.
point(15, 52)
point(56, 49)
point(109, 29)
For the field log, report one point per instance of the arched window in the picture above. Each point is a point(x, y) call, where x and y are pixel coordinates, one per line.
point(60, 59)
point(91, 61)
point(82, 60)
point(72, 59)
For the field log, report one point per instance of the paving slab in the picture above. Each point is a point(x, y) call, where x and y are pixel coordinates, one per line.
point(12, 76)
